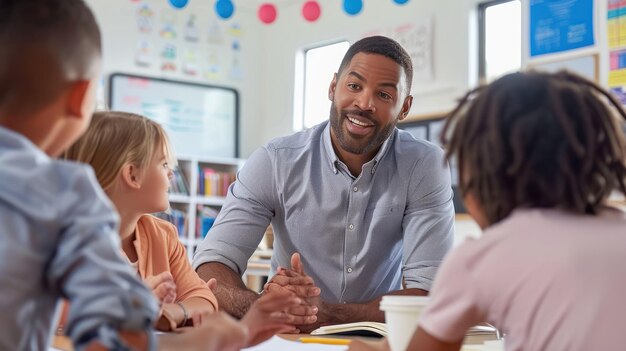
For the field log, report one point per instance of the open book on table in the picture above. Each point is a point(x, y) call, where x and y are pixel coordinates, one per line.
point(380, 329)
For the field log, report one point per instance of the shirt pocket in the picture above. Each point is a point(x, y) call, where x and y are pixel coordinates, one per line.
point(382, 211)
point(384, 219)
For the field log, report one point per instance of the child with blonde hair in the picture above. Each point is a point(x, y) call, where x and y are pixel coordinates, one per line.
point(539, 154)
point(133, 162)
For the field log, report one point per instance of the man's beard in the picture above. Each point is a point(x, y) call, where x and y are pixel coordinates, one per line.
point(356, 144)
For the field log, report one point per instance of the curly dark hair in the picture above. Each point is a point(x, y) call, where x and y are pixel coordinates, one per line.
point(538, 140)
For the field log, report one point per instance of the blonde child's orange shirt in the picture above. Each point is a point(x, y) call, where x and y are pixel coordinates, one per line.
point(159, 250)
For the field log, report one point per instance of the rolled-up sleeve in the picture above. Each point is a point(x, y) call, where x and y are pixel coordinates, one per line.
point(87, 269)
point(240, 225)
point(428, 223)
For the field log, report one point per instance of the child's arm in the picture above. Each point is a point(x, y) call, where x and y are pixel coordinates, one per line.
point(88, 270)
point(220, 332)
point(181, 314)
point(192, 294)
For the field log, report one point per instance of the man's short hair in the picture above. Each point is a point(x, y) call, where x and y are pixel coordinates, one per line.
point(44, 45)
point(384, 46)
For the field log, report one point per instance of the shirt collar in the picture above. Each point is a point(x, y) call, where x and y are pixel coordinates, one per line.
point(11, 139)
point(334, 160)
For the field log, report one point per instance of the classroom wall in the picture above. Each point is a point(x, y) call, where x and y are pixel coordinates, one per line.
point(268, 52)
point(450, 55)
point(600, 47)
point(118, 22)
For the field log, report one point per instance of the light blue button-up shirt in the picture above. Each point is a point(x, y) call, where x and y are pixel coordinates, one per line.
point(358, 237)
point(58, 238)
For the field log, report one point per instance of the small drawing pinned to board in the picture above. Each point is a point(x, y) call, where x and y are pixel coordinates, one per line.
point(143, 53)
point(145, 18)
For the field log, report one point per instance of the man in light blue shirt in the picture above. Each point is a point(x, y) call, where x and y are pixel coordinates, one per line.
point(365, 204)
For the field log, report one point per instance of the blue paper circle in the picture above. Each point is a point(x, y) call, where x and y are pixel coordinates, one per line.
point(400, 2)
point(179, 4)
point(352, 7)
point(224, 8)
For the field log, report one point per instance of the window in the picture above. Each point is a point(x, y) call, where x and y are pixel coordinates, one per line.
point(319, 64)
point(500, 38)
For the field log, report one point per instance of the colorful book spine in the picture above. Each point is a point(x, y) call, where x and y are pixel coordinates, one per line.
point(205, 220)
point(214, 183)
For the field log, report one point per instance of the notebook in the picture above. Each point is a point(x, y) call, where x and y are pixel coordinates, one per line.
point(380, 329)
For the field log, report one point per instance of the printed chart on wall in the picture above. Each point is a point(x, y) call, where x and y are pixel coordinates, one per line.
point(616, 23)
point(201, 120)
point(416, 37)
point(560, 25)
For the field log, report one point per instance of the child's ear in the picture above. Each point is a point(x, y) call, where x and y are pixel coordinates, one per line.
point(78, 97)
point(131, 176)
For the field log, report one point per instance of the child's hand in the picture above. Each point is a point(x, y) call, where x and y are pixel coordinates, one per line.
point(163, 287)
point(218, 332)
point(212, 284)
point(200, 317)
point(269, 315)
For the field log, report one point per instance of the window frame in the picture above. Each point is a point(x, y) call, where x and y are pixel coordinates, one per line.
point(482, 45)
point(303, 88)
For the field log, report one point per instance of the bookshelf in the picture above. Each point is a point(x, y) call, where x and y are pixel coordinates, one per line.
point(197, 193)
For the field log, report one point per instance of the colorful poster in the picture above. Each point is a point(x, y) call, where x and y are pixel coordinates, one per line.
point(560, 25)
point(616, 27)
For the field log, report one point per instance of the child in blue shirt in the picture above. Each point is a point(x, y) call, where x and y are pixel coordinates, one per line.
point(58, 237)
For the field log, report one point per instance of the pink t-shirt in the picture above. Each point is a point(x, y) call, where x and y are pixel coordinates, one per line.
point(549, 279)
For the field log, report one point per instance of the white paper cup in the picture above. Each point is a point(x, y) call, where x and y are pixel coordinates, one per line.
point(401, 316)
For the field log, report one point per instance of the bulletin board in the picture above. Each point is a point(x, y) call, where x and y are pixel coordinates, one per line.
point(560, 25)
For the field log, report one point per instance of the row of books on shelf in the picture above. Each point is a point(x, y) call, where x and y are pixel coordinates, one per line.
point(214, 183)
point(178, 183)
point(204, 220)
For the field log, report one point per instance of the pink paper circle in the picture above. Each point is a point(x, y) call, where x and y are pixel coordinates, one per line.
point(311, 11)
point(267, 13)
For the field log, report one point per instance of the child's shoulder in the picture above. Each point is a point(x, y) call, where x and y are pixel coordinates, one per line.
point(31, 179)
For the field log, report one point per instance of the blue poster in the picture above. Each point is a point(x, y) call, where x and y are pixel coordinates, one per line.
point(560, 25)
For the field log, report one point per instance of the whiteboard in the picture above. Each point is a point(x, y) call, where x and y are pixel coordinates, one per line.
point(200, 120)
